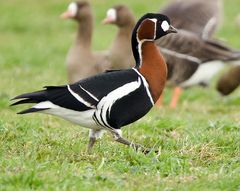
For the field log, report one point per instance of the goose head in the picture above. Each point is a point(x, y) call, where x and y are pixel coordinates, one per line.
point(152, 26)
point(79, 10)
point(149, 27)
point(119, 15)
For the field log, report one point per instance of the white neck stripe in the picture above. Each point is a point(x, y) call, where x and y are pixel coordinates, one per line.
point(146, 85)
point(140, 42)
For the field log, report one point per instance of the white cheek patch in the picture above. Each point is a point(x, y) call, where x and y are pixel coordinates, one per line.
point(165, 26)
point(112, 14)
point(73, 8)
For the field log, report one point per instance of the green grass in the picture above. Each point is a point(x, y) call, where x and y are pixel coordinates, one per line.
point(199, 142)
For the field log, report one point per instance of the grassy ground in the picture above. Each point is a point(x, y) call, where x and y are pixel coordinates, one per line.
point(199, 142)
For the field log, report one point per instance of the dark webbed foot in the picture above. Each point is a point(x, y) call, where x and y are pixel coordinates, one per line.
point(136, 147)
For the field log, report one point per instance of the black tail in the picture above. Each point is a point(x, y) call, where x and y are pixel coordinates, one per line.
point(31, 110)
point(55, 94)
point(34, 97)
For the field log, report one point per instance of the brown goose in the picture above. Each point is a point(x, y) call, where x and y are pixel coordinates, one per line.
point(120, 54)
point(192, 60)
point(81, 60)
point(201, 18)
point(229, 81)
point(198, 16)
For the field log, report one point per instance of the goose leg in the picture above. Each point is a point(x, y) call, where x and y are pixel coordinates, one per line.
point(175, 97)
point(118, 137)
point(91, 142)
point(93, 136)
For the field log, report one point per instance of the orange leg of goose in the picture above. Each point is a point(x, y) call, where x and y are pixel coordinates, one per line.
point(159, 101)
point(175, 97)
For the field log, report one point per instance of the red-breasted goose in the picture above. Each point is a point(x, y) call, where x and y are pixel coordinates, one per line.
point(120, 53)
point(111, 100)
point(81, 60)
point(229, 81)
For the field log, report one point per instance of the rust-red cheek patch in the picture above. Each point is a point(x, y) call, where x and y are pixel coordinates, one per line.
point(146, 30)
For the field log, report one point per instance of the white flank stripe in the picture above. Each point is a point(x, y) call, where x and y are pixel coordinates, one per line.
point(45, 104)
point(88, 93)
point(106, 102)
point(179, 55)
point(145, 85)
point(79, 98)
point(83, 118)
point(204, 73)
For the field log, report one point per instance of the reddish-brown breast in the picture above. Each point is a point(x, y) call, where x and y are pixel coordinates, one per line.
point(153, 68)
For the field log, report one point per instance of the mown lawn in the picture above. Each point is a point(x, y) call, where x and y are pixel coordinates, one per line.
point(199, 142)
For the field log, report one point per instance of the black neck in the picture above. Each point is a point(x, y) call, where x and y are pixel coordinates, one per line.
point(135, 43)
point(135, 49)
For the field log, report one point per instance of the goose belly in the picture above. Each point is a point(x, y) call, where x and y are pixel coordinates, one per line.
point(204, 73)
point(82, 118)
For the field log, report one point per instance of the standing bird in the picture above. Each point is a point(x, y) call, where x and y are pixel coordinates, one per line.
point(81, 60)
point(111, 100)
point(229, 81)
point(120, 52)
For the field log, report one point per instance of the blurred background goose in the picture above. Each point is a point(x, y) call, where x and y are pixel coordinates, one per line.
point(120, 52)
point(192, 60)
point(197, 16)
point(81, 60)
point(202, 18)
point(229, 81)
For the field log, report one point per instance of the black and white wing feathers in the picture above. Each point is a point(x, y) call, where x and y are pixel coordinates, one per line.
point(110, 97)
